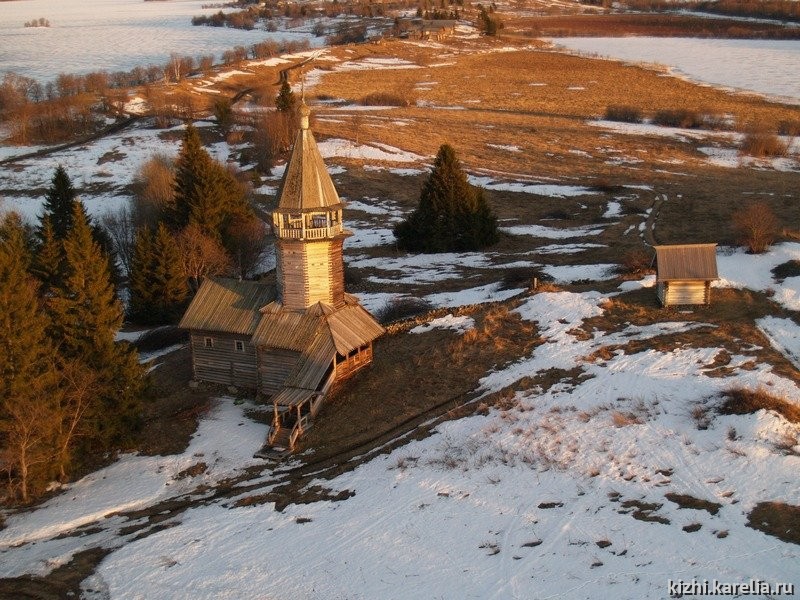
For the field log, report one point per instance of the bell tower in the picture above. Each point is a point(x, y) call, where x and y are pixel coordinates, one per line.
point(308, 228)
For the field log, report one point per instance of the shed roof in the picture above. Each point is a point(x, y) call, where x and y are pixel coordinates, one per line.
point(228, 306)
point(306, 183)
point(686, 262)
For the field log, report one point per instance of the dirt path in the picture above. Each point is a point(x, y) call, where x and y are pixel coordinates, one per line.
point(650, 224)
point(115, 128)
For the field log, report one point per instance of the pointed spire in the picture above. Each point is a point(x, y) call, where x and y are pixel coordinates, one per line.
point(306, 184)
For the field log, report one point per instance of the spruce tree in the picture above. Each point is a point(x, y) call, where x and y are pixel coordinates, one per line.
point(55, 225)
point(85, 311)
point(140, 291)
point(58, 203)
point(158, 286)
point(205, 192)
point(48, 262)
point(286, 101)
point(27, 374)
point(23, 344)
point(86, 315)
point(451, 216)
point(169, 281)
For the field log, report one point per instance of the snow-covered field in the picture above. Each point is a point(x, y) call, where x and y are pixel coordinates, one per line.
point(123, 34)
point(562, 493)
point(768, 67)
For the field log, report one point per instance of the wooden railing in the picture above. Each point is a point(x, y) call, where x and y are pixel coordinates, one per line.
point(273, 433)
point(309, 233)
point(299, 427)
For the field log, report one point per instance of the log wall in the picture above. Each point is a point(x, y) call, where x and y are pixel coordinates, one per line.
point(223, 363)
point(676, 293)
point(310, 272)
point(274, 366)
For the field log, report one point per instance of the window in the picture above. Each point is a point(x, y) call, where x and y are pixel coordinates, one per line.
point(209, 342)
point(239, 346)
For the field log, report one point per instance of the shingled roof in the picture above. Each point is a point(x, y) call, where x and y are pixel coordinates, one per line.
point(228, 306)
point(306, 184)
point(347, 327)
point(686, 262)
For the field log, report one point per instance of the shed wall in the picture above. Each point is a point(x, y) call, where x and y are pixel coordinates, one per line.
point(672, 293)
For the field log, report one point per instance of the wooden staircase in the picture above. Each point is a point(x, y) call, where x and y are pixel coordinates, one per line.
point(280, 440)
point(284, 432)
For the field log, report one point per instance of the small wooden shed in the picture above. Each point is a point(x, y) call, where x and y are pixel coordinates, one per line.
point(684, 273)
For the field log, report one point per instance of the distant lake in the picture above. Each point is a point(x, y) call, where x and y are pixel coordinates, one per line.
point(770, 67)
point(111, 35)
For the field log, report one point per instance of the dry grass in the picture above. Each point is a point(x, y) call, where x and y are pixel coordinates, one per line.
point(625, 419)
point(743, 401)
point(778, 519)
point(547, 123)
point(687, 501)
point(467, 84)
point(788, 269)
point(413, 373)
point(729, 325)
point(494, 333)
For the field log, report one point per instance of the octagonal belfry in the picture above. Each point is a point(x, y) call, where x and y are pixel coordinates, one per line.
point(308, 228)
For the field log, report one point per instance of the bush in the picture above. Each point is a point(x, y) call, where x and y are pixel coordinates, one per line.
point(763, 144)
point(402, 308)
point(384, 99)
point(685, 119)
point(347, 33)
point(756, 227)
point(637, 261)
point(625, 114)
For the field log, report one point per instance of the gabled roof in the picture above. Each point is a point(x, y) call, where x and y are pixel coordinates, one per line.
point(306, 183)
point(346, 328)
point(693, 262)
point(228, 306)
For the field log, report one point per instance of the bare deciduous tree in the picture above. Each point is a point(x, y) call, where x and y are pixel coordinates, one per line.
point(79, 389)
point(28, 429)
point(201, 255)
point(755, 226)
point(154, 190)
point(121, 228)
point(247, 243)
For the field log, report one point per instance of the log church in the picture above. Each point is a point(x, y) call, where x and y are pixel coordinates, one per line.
point(290, 340)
